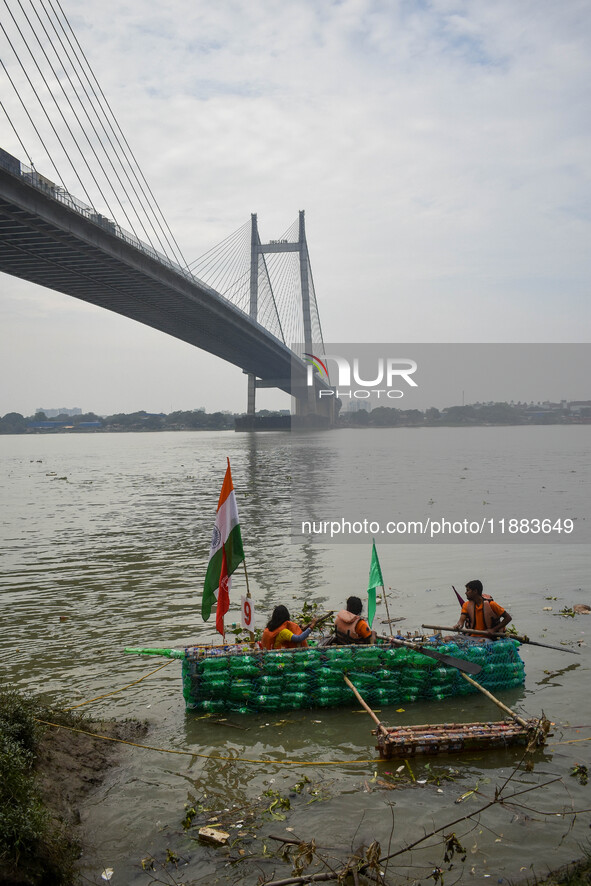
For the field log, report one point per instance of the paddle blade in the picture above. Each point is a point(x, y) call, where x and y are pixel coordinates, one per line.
point(469, 667)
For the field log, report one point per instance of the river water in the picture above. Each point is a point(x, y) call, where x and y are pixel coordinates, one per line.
point(104, 544)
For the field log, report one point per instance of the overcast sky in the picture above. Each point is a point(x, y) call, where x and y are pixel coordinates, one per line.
point(440, 149)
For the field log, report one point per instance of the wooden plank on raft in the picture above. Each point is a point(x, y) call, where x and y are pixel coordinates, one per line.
point(440, 738)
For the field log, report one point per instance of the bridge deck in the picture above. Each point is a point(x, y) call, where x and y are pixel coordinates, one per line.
point(46, 242)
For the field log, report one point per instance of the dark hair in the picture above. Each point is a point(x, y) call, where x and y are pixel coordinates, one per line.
point(354, 605)
point(475, 585)
point(280, 614)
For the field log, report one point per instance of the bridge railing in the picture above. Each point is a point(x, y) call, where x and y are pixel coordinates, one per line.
point(44, 184)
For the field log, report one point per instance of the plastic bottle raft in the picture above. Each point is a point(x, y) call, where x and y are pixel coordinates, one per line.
point(244, 680)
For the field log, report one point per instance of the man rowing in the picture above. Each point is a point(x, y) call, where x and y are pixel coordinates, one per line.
point(481, 614)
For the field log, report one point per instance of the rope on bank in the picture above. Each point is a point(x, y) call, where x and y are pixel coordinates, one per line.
point(211, 756)
point(217, 756)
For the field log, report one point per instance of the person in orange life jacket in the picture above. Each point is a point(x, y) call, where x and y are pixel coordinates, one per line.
point(480, 613)
point(350, 627)
point(282, 633)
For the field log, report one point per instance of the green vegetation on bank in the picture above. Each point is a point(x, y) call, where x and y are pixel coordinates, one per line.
point(574, 412)
point(575, 874)
point(195, 420)
point(34, 848)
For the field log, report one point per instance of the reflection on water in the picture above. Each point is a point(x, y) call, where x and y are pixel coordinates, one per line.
point(104, 543)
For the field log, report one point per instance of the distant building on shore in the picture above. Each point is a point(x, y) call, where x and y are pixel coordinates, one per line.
point(64, 410)
point(577, 406)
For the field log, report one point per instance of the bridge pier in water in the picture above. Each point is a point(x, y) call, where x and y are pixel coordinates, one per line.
point(308, 412)
point(313, 412)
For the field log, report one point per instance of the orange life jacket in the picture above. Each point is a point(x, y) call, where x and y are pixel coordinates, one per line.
point(490, 619)
point(269, 637)
point(345, 624)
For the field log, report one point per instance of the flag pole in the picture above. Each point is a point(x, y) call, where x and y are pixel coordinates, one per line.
point(250, 633)
point(387, 610)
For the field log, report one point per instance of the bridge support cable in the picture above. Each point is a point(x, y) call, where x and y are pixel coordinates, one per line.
point(268, 309)
point(84, 107)
point(76, 103)
point(284, 270)
point(122, 142)
point(231, 270)
point(224, 266)
point(58, 80)
point(132, 171)
point(315, 328)
point(30, 120)
point(49, 120)
point(285, 275)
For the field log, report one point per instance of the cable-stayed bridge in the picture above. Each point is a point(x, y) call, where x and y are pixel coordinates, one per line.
point(245, 300)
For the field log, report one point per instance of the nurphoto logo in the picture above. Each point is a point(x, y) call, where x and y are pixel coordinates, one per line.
point(386, 371)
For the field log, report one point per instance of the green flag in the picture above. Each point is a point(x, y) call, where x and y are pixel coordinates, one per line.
point(375, 581)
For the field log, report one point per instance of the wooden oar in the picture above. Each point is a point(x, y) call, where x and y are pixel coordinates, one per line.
point(323, 618)
point(469, 667)
point(492, 636)
point(499, 704)
point(380, 725)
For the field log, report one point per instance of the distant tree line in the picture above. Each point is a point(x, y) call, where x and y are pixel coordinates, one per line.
point(380, 417)
point(195, 420)
point(458, 416)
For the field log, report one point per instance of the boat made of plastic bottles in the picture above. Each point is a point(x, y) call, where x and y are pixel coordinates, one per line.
point(245, 679)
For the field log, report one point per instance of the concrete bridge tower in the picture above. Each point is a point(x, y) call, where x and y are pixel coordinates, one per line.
point(306, 403)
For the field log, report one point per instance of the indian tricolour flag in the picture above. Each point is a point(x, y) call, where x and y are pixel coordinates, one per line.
point(225, 555)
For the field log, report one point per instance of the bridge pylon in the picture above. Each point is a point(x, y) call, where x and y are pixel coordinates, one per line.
point(306, 404)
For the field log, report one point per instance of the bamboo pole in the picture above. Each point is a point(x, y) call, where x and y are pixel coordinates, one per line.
point(495, 635)
point(499, 704)
point(246, 577)
point(364, 704)
point(322, 618)
point(250, 633)
point(387, 610)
